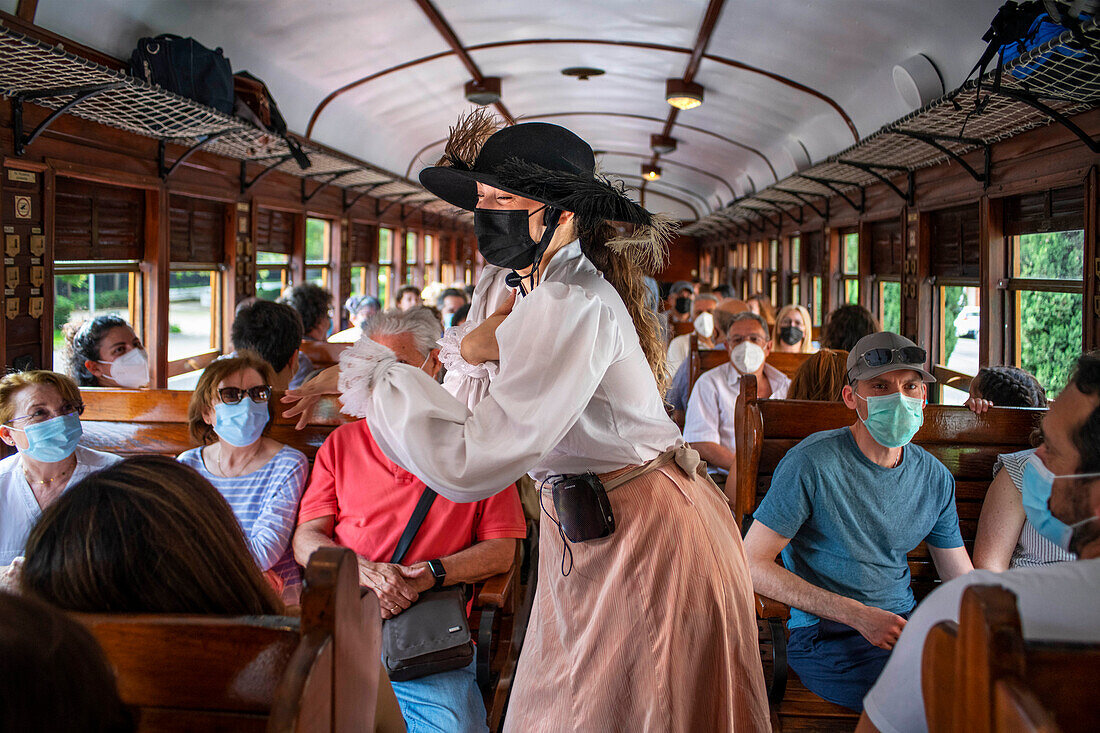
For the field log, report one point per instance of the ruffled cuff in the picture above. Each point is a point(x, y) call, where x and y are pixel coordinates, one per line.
point(361, 365)
point(450, 354)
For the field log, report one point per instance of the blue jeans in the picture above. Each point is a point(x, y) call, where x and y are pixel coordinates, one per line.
point(447, 702)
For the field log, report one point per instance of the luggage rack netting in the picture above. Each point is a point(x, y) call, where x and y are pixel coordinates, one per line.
point(29, 67)
point(1060, 79)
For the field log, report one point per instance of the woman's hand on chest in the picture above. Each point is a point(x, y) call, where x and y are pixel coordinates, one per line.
point(480, 345)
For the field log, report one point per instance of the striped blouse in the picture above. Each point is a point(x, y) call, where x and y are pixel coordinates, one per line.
point(1032, 549)
point(266, 504)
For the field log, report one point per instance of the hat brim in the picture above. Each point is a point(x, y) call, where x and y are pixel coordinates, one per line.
point(871, 372)
point(459, 187)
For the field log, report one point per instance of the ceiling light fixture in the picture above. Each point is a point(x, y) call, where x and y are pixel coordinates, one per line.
point(683, 94)
point(662, 144)
point(650, 172)
point(583, 73)
point(486, 91)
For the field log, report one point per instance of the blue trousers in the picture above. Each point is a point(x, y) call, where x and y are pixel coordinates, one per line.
point(835, 662)
point(447, 702)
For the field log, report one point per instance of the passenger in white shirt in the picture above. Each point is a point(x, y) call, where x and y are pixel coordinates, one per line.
point(1056, 602)
point(679, 347)
point(40, 417)
point(709, 423)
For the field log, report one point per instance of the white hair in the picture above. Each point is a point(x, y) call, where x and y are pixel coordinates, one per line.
point(421, 323)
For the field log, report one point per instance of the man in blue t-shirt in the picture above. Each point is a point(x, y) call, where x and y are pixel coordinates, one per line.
point(844, 508)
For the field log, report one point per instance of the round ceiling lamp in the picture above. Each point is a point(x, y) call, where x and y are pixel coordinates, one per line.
point(486, 91)
point(582, 73)
point(650, 172)
point(683, 94)
point(918, 81)
point(662, 144)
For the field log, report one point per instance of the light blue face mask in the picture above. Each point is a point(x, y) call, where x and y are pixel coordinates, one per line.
point(1038, 484)
point(53, 440)
point(240, 424)
point(893, 420)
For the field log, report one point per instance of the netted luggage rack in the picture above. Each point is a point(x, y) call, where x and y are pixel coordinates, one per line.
point(1046, 85)
point(34, 72)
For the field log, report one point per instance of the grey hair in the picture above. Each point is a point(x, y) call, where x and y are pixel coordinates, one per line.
point(750, 316)
point(706, 296)
point(421, 323)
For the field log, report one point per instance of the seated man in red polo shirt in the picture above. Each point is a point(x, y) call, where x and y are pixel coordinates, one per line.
point(360, 499)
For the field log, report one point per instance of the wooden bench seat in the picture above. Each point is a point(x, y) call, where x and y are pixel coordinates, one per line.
point(323, 354)
point(966, 443)
point(274, 673)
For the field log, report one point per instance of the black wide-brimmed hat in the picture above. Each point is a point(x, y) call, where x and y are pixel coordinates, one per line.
point(547, 163)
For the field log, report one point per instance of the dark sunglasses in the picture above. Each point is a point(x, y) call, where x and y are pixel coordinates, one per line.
point(911, 355)
point(233, 395)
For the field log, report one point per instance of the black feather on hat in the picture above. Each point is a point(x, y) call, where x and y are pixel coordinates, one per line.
point(547, 163)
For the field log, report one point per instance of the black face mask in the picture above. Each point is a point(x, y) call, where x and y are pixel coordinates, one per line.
point(504, 237)
point(790, 335)
point(683, 305)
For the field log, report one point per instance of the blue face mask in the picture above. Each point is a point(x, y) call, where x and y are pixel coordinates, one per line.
point(53, 440)
point(1038, 484)
point(893, 420)
point(240, 424)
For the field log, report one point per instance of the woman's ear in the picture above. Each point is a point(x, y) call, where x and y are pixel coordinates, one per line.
point(5, 435)
point(95, 368)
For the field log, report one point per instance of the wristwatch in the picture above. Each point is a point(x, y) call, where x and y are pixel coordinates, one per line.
point(438, 572)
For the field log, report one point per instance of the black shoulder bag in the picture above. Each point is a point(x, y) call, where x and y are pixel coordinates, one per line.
point(432, 635)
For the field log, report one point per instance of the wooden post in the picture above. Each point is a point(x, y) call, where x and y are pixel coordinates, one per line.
point(992, 298)
point(1090, 320)
point(155, 268)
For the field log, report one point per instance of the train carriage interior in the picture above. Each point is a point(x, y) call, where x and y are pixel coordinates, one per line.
point(933, 165)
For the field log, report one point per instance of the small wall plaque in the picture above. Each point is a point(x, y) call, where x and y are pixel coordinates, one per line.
point(38, 244)
point(12, 245)
point(12, 308)
point(11, 277)
point(38, 275)
point(22, 176)
point(36, 306)
point(22, 207)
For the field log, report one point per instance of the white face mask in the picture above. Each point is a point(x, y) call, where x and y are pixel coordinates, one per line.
point(131, 370)
point(704, 325)
point(747, 357)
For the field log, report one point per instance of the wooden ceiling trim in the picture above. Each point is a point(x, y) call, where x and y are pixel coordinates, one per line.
point(725, 61)
point(451, 38)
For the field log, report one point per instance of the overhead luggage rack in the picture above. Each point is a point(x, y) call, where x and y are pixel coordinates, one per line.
point(37, 73)
point(1046, 85)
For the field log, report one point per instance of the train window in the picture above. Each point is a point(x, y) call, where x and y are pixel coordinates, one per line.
point(272, 274)
point(886, 265)
point(849, 242)
point(431, 260)
point(113, 288)
point(960, 322)
point(385, 266)
point(363, 257)
point(274, 243)
point(889, 298)
point(318, 241)
point(955, 240)
point(194, 319)
point(773, 270)
point(794, 279)
point(816, 299)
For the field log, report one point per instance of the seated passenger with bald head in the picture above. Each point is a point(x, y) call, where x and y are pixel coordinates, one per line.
point(358, 498)
point(845, 507)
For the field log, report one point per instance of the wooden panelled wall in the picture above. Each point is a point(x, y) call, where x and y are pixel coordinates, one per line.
point(111, 204)
point(1042, 180)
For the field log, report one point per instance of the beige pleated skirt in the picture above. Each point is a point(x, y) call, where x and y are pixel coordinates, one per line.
point(653, 629)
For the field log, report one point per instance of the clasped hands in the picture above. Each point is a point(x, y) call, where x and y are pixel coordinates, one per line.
point(397, 586)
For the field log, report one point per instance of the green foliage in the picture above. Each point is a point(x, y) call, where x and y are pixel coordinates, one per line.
point(851, 254)
point(953, 302)
point(316, 231)
point(62, 310)
point(173, 328)
point(1050, 323)
point(891, 307)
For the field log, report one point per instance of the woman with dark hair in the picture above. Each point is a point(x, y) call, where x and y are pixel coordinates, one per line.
point(821, 377)
point(314, 305)
point(55, 675)
point(630, 617)
point(846, 325)
point(105, 352)
point(1005, 386)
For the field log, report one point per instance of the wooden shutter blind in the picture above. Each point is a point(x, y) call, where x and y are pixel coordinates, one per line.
point(94, 221)
point(956, 241)
point(813, 253)
point(364, 242)
point(197, 229)
point(274, 231)
point(1057, 210)
point(886, 248)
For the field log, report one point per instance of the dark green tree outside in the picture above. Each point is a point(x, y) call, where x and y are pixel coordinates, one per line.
point(1050, 323)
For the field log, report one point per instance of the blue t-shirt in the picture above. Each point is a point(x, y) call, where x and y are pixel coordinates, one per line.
point(851, 522)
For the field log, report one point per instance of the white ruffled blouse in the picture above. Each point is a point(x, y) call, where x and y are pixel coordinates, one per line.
point(573, 391)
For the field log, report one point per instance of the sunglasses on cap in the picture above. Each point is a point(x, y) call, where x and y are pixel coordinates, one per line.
point(233, 395)
point(908, 355)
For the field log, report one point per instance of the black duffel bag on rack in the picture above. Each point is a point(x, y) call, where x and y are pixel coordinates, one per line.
point(186, 67)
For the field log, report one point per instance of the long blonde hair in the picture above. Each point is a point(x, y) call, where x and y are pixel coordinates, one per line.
point(807, 344)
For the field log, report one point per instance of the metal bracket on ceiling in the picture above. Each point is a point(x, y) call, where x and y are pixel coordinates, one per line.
point(908, 197)
point(359, 195)
point(332, 177)
point(166, 171)
point(78, 94)
point(935, 141)
point(834, 186)
point(247, 184)
point(774, 205)
point(805, 199)
point(1033, 101)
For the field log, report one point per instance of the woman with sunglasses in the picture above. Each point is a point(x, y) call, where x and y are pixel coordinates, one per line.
point(261, 478)
point(40, 417)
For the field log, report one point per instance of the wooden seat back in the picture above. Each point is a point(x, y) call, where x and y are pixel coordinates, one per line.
point(702, 360)
point(788, 363)
point(980, 676)
point(966, 443)
point(321, 353)
point(274, 673)
point(679, 328)
point(132, 422)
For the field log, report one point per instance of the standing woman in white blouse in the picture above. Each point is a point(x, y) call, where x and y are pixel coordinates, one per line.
point(652, 626)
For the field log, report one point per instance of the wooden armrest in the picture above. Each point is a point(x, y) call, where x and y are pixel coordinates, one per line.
point(769, 608)
point(496, 590)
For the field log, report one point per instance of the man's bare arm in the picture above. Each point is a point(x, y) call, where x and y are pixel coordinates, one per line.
point(951, 562)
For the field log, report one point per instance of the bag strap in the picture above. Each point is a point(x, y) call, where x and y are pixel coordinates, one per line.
point(417, 519)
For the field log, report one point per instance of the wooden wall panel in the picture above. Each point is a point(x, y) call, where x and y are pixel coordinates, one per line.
point(27, 269)
point(955, 240)
point(197, 229)
point(1054, 210)
point(95, 221)
point(275, 230)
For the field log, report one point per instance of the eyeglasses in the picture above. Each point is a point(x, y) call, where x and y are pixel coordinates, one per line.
point(41, 414)
point(233, 395)
point(912, 355)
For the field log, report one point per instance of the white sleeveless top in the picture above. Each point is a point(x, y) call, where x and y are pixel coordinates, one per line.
point(1032, 549)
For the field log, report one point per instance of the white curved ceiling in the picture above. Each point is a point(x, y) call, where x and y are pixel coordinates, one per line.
point(844, 50)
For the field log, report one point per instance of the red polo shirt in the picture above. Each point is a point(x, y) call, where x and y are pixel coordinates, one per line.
point(372, 499)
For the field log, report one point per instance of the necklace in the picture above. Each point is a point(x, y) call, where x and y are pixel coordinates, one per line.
point(47, 481)
point(247, 463)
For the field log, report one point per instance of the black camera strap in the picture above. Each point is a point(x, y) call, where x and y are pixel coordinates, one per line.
point(417, 519)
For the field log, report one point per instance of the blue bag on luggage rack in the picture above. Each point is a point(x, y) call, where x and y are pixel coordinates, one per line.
point(1042, 30)
point(186, 67)
point(1020, 27)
